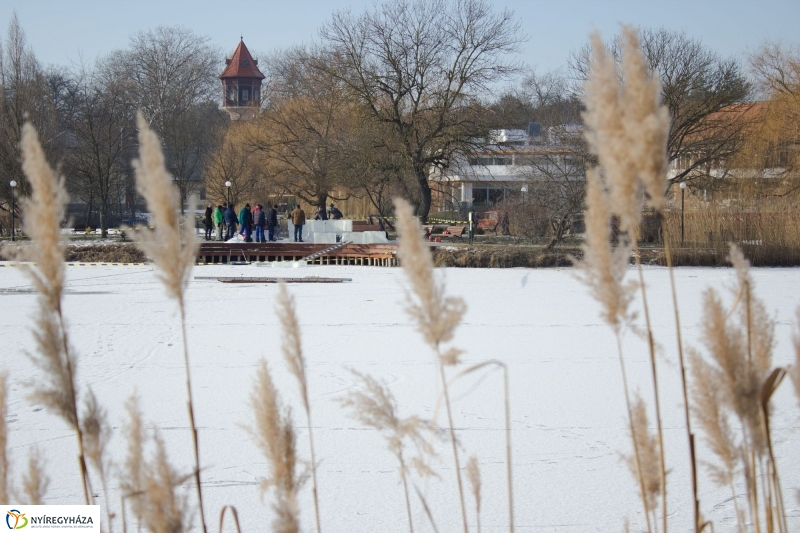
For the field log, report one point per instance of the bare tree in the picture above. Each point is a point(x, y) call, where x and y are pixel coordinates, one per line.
point(420, 67)
point(697, 86)
point(232, 162)
point(775, 142)
point(103, 130)
point(304, 127)
point(172, 78)
point(556, 181)
point(24, 96)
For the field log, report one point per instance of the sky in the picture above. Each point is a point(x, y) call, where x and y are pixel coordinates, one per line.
point(62, 32)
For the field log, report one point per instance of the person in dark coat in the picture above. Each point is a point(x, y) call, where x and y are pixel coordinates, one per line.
point(272, 222)
point(246, 220)
point(260, 222)
point(321, 213)
point(207, 222)
point(230, 222)
point(335, 213)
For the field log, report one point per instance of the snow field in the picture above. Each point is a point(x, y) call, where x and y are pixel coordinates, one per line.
point(567, 404)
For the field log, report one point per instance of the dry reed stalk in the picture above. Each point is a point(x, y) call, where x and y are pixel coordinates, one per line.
point(698, 519)
point(235, 514)
point(474, 477)
point(647, 467)
point(96, 432)
point(275, 437)
point(35, 481)
point(164, 510)
point(172, 250)
point(507, 410)
point(794, 372)
point(436, 315)
point(293, 353)
point(628, 130)
point(132, 478)
point(42, 223)
point(739, 384)
point(3, 440)
point(377, 408)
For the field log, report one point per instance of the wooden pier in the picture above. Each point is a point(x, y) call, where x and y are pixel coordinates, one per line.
point(313, 254)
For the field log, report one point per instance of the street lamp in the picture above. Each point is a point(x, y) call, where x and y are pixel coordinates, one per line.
point(13, 231)
point(524, 190)
point(683, 192)
point(228, 186)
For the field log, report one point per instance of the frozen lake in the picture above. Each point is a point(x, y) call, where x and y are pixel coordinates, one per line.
point(567, 406)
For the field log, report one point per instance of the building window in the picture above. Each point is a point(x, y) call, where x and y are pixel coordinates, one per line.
point(244, 94)
point(231, 94)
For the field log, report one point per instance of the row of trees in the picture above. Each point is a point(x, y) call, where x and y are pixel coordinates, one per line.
point(85, 114)
point(381, 101)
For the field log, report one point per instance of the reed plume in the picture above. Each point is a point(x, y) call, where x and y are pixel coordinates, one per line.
point(627, 130)
point(474, 477)
point(293, 353)
point(377, 408)
point(275, 437)
point(648, 466)
point(132, 478)
point(35, 481)
point(435, 314)
point(3, 440)
point(173, 251)
point(736, 384)
point(165, 511)
point(57, 389)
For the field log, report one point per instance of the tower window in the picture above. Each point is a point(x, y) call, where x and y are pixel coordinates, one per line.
point(244, 62)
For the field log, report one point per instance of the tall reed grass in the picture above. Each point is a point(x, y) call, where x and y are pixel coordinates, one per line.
point(733, 378)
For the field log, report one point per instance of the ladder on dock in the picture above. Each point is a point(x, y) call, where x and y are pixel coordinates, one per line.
point(329, 249)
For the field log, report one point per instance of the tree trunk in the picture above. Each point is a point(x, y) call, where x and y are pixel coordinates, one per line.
point(424, 206)
point(322, 197)
point(89, 211)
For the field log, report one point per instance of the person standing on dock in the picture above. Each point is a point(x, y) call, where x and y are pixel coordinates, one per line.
point(219, 216)
point(334, 213)
point(246, 222)
point(259, 222)
point(272, 222)
point(298, 220)
point(321, 213)
point(207, 222)
point(230, 222)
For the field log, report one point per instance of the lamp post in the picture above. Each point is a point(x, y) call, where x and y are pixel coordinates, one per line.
point(228, 187)
point(683, 192)
point(13, 231)
point(524, 190)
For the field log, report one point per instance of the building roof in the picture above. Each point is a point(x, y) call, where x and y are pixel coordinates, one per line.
point(241, 64)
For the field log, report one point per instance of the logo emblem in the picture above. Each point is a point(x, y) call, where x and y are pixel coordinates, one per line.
point(19, 519)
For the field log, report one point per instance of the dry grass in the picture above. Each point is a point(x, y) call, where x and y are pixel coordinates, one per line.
point(293, 354)
point(377, 408)
point(173, 250)
point(731, 392)
point(275, 437)
point(435, 315)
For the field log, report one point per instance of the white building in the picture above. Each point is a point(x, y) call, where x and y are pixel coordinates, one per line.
point(503, 168)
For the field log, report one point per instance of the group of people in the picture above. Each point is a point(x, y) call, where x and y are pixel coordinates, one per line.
point(253, 223)
point(249, 222)
point(298, 217)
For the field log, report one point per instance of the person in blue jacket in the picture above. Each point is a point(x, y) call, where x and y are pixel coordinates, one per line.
point(230, 222)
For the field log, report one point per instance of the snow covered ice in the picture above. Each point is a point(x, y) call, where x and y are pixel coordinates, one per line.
point(569, 428)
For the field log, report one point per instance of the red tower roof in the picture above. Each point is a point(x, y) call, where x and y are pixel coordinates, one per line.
point(241, 65)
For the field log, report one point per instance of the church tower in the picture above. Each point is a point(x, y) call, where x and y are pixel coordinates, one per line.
point(241, 84)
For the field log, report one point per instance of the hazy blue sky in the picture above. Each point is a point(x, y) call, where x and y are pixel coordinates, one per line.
point(61, 30)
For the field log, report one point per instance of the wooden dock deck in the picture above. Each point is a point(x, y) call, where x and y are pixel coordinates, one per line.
point(251, 252)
